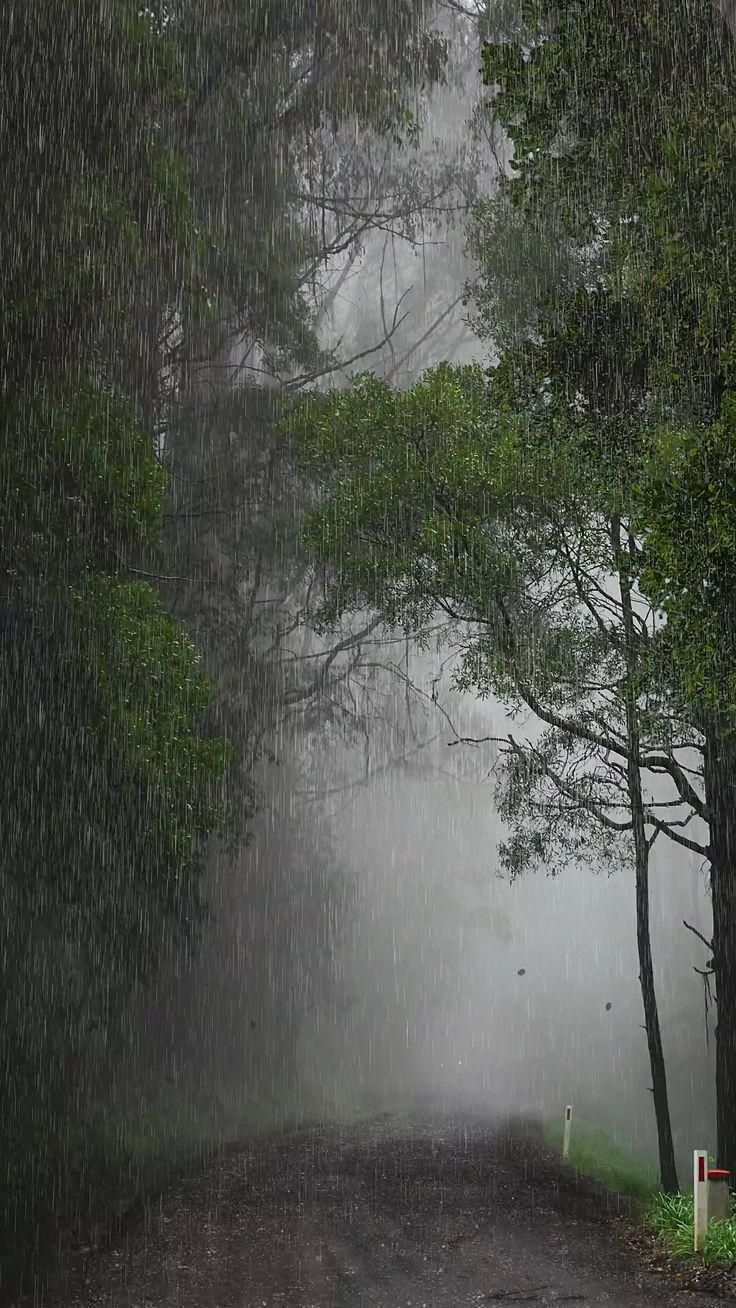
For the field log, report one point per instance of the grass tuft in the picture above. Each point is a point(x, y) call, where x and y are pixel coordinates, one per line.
point(671, 1217)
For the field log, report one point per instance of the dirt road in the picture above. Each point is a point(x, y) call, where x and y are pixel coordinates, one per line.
point(439, 1213)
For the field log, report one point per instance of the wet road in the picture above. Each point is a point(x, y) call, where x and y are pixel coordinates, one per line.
point(439, 1213)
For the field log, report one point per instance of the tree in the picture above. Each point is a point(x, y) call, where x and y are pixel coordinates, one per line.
point(445, 499)
point(274, 96)
point(589, 787)
point(111, 782)
point(637, 188)
point(320, 183)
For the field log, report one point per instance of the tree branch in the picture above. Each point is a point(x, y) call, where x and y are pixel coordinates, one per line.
point(679, 839)
point(309, 692)
point(699, 934)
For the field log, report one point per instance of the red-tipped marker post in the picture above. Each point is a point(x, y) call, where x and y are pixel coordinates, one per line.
point(700, 1198)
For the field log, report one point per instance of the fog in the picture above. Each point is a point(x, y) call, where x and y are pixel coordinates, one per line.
point(365, 948)
point(400, 963)
point(495, 996)
point(431, 955)
point(270, 858)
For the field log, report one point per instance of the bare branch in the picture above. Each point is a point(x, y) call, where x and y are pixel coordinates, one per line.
point(305, 378)
point(321, 793)
point(424, 337)
point(699, 934)
point(309, 692)
point(668, 830)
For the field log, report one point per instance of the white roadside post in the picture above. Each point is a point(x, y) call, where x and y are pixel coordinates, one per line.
point(567, 1132)
point(700, 1197)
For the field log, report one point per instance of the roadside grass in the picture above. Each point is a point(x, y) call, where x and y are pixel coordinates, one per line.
point(595, 1155)
point(671, 1218)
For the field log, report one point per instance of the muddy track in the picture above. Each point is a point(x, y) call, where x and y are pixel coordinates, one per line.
point(442, 1212)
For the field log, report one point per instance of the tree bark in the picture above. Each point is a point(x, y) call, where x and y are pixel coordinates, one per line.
point(720, 790)
point(667, 1165)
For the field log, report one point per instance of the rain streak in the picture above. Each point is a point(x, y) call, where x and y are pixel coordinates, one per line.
point(367, 653)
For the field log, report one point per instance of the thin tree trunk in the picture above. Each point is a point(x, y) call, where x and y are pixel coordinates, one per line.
point(667, 1165)
point(720, 793)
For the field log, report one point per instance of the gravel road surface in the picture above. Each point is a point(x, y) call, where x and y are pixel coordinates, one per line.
point(403, 1212)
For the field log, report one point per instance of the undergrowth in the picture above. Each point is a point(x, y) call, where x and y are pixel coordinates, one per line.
point(671, 1217)
point(593, 1154)
point(71, 1179)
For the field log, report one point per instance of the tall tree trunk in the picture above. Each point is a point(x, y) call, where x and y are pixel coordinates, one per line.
point(720, 793)
point(667, 1166)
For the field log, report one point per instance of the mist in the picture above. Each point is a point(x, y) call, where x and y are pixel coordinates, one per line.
point(501, 997)
point(365, 948)
point(366, 624)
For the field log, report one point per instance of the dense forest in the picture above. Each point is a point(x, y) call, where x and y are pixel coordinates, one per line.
point(173, 192)
point(211, 513)
point(571, 509)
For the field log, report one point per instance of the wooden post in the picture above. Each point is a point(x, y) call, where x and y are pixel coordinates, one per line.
point(567, 1132)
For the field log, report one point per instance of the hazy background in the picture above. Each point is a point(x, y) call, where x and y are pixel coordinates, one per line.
point(432, 957)
point(364, 949)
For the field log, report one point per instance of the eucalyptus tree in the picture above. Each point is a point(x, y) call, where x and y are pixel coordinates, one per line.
point(304, 144)
point(296, 137)
point(449, 499)
point(567, 794)
point(146, 213)
point(634, 187)
point(110, 779)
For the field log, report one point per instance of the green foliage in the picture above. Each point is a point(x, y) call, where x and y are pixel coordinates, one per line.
point(395, 470)
point(687, 508)
point(108, 688)
point(624, 135)
point(671, 1217)
point(155, 63)
point(550, 829)
point(415, 490)
point(152, 695)
point(79, 481)
point(109, 786)
point(593, 1153)
point(171, 198)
